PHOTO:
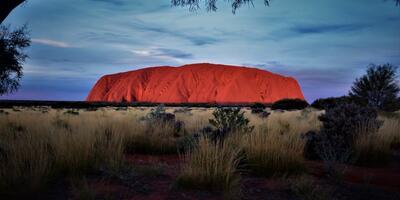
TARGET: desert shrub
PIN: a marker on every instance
(264, 114)
(378, 88)
(289, 104)
(228, 120)
(269, 153)
(210, 166)
(257, 108)
(328, 103)
(158, 115)
(335, 143)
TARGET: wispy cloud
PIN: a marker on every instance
(164, 53)
(190, 35)
(326, 28)
(52, 43)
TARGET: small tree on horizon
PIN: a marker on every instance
(378, 88)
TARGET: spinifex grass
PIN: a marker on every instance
(210, 166)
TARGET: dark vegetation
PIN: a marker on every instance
(12, 44)
(227, 121)
(331, 102)
(336, 139)
(377, 88)
(289, 104)
(93, 105)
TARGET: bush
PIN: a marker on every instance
(227, 121)
(331, 102)
(257, 108)
(160, 116)
(336, 139)
(289, 104)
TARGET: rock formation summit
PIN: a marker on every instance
(195, 83)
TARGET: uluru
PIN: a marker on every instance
(195, 83)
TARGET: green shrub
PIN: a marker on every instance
(289, 104)
(227, 121)
(335, 143)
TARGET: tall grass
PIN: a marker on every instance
(268, 153)
(40, 150)
(210, 166)
(37, 147)
(373, 147)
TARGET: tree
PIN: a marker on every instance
(377, 88)
(12, 57)
(6, 6)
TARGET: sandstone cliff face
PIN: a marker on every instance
(195, 83)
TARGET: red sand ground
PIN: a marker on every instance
(195, 83)
(359, 183)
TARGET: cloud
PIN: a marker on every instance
(164, 53)
(190, 35)
(326, 28)
(52, 43)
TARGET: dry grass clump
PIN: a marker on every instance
(154, 138)
(276, 148)
(373, 147)
(269, 153)
(210, 166)
(390, 131)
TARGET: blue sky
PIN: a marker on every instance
(324, 44)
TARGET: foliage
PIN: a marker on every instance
(229, 120)
(12, 44)
(257, 108)
(289, 104)
(377, 88)
(211, 5)
(335, 143)
(160, 116)
(328, 103)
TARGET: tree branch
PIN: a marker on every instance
(6, 6)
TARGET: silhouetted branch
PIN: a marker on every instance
(6, 6)
(211, 5)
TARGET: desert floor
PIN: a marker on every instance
(114, 153)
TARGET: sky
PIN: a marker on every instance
(324, 44)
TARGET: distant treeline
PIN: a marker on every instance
(85, 104)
